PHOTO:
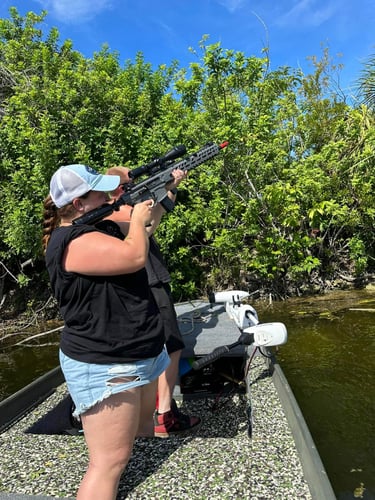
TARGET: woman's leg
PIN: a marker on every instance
(167, 381)
(109, 429)
(148, 399)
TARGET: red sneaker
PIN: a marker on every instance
(174, 422)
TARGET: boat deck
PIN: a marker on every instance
(206, 326)
(219, 461)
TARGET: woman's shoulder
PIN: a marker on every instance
(74, 230)
(64, 234)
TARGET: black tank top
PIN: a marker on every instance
(156, 267)
(107, 319)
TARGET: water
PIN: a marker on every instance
(21, 365)
(329, 361)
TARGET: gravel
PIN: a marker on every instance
(219, 461)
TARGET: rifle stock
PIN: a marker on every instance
(154, 186)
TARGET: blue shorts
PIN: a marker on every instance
(90, 383)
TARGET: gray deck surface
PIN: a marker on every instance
(205, 327)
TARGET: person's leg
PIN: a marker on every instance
(174, 344)
(167, 381)
(148, 397)
(109, 429)
(168, 419)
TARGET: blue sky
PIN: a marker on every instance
(163, 30)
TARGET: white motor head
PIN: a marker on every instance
(268, 334)
(231, 296)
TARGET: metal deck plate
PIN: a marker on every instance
(204, 327)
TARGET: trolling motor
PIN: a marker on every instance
(246, 319)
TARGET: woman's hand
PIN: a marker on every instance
(142, 212)
(178, 177)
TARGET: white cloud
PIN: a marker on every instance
(75, 11)
(307, 13)
(232, 5)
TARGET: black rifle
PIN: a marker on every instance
(154, 186)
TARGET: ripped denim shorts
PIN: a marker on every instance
(90, 383)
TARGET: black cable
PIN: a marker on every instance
(250, 360)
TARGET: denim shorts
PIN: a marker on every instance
(90, 383)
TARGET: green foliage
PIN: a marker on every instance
(358, 254)
(23, 280)
(291, 198)
(366, 83)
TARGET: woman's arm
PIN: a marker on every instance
(99, 254)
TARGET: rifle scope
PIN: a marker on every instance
(174, 153)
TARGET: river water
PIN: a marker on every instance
(329, 361)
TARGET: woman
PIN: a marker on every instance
(112, 345)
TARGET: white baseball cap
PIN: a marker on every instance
(73, 181)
